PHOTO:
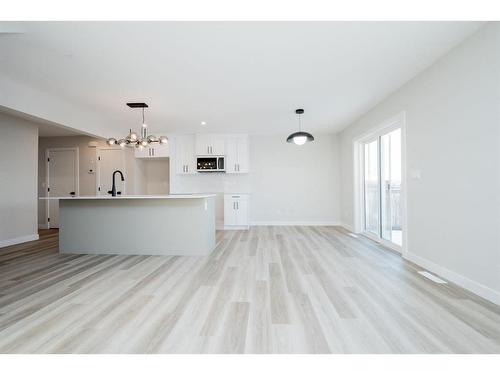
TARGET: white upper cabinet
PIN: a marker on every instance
(185, 159)
(237, 160)
(210, 144)
(156, 151)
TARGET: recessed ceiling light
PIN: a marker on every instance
(203, 123)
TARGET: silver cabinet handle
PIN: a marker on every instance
(237, 205)
(235, 167)
(187, 168)
(234, 205)
(238, 167)
(153, 151)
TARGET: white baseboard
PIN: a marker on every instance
(237, 227)
(18, 240)
(219, 224)
(43, 226)
(295, 223)
(466, 283)
(347, 227)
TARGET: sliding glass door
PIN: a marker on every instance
(382, 186)
(372, 187)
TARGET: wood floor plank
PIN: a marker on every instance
(286, 289)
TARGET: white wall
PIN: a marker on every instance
(453, 138)
(87, 159)
(288, 184)
(18, 180)
(152, 176)
(294, 184)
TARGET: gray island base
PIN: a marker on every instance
(137, 225)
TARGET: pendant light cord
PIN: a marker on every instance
(300, 123)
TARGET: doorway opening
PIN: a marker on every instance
(380, 184)
(108, 161)
(62, 180)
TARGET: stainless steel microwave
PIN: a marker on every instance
(210, 164)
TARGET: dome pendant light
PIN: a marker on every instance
(300, 137)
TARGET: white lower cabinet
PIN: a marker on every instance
(236, 211)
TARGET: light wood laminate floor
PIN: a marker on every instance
(267, 290)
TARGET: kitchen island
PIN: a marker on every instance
(137, 225)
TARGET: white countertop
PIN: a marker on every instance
(170, 196)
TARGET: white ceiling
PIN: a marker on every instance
(45, 128)
(236, 76)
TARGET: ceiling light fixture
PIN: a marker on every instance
(132, 139)
(203, 123)
(300, 137)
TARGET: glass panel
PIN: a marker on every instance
(390, 148)
(372, 194)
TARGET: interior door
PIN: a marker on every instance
(62, 180)
(108, 161)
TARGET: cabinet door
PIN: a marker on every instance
(180, 166)
(243, 159)
(242, 212)
(202, 144)
(161, 151)
(217, 143)
(229, 211)
(231, 155)
(189, 155)
(144, 153)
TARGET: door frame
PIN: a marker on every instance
(47, 180)
(98, 167)
(395, 122)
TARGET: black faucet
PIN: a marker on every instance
(113, 189)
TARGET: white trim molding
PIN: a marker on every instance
(296, 223)
(18, 240)
(348, 227)
(462, 281)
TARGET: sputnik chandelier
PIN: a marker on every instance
(132, 139)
